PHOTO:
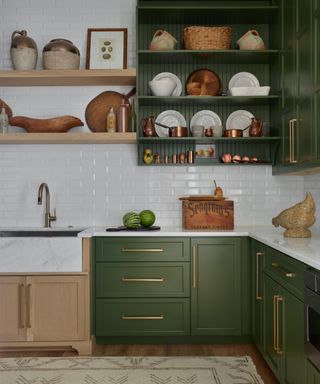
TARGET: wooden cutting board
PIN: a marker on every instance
(97, 109)
(203, 198)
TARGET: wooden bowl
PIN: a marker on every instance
(205, 80)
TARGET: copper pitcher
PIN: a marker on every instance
(255, 129)
(147, 126)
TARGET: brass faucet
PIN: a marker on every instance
(47, 217)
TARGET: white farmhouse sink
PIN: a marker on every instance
(40, 250)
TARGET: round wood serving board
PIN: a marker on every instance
(97, 109)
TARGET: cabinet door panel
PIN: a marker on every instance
(258, 254)
(313, 375)
(271, 290)
(12, 308)
(57, 308)
(216, 290)
(293, 338)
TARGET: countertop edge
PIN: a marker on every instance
(306, 251)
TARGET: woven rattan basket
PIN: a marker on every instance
(207, 37)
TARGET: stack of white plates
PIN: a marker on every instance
(246, 84)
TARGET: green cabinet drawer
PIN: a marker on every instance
(142, 279)
(142, 317)
(142, 249)
(286, 271)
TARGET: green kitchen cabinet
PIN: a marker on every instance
(241, 15)
(216, 296)
(313, 375)
(258, 254)
(283, 318)
(141, 286)
(298, 146)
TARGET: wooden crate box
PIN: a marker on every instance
(207, 214)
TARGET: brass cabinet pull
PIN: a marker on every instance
(142, 250)
(28, 305)
(142, 280)
(258, 296)
(194, 266)
(292, 159)
(278, 350)
(21, 289)
(283, 271)
(124, 317)
(275, 322)
(290, 141)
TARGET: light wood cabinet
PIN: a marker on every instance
(12, 308)
(47, 310)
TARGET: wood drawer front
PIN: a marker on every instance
(142, 317)
(142, 280)
(142, 249)
(287, 271)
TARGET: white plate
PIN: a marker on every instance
(178, 89)
(206, 118)
(171, 118)
(243, 79)
(250, 91)
(239, 120)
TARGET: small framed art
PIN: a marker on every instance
(107, 48)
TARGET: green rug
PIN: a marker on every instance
(129, 370)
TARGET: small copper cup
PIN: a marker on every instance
(208, 132)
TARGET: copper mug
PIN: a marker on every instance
(255, 129)
(208, 132)
(147, 126)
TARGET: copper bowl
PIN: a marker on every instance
(233, 133)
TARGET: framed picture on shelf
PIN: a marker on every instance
(107, 48)
(205, 151)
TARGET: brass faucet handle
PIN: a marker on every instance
(54, 216)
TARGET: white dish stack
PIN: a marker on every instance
(246, 84)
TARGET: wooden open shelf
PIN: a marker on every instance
(68, 138)
(68, 77)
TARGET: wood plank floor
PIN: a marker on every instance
(163, 350)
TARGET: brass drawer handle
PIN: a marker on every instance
(275, 336)
(258, 296)
(278, 348)
(21, 288)
(141, 250)
(124, 317)
(283, 271)
(142, 280)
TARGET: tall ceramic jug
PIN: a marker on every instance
(251, 40)
(24, 51)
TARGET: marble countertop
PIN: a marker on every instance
(304, 250)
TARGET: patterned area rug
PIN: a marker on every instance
(129, 370)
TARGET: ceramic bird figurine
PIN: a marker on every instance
(298, 218)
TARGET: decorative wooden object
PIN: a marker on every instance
(6, 107)
(56, 124)
(298, 218)
(209, 214)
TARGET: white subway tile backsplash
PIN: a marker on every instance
(97, 184)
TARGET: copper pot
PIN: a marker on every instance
(233, 133)
(177, 131)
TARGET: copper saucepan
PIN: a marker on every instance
(177, 131)
(235, 132)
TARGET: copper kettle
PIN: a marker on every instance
(147, 126)
(255, 129)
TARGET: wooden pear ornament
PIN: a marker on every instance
(218, 190)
